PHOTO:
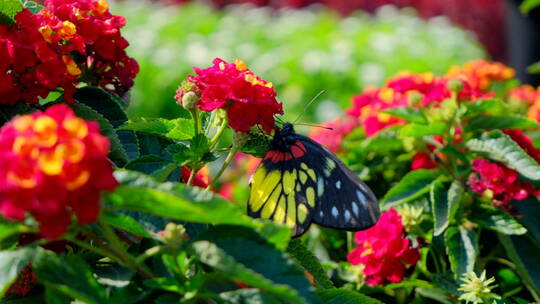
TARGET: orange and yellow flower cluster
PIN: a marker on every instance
(54, 165)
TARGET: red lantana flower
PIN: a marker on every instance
(66, 42)
(422, 160)
(384, 250)
(498, 182)
(201, 179)
(54, 164)
(248, 99)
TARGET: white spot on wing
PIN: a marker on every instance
(338, 184)
(335, 212)
(355, 209)
(321, 213)
(347, 216)
(361, 197)
(320, 187)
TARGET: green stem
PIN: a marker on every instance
(226, 163)
(196, 121)
(217, 136)
(150, 252)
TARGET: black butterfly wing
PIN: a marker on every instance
(310, 184)
(343, 200)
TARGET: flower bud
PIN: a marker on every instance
(415, 98)
(174, 235)
(411, 216)
(189, 100)
(455, 85)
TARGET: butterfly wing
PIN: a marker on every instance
(310, 184)
(343, 200)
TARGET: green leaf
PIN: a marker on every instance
(490, 106)
(176, 129)
(462, 249)
(8, 228)
(383, 141)
(528, 5)
(523, 251)
(139, 192)
(69, 275)
(248, 296)
(310, 262)
(488, 122)
(498, 146)
(154, 165)
(496, 219)
(418, 130)
(345, 296)
(213, 256)
(529, 213)
(112, 108)
(411, 186)
(444, 203)
(117, 154)
(124, 222)
(8, 10)
(534, 68)
(12, 263)
(409, 114)
(33, 6)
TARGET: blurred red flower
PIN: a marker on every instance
(384, 250)
(248, 99)
(498, 182)
(422, 160)
(333, 133)
(54, 164)
(201, 178)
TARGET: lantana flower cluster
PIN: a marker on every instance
(67, 42)
(54, 164)
(499, 183)
(247, 99)
(384, 250)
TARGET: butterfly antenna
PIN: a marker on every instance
(314, 125)
(309, 104)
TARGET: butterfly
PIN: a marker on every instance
(300, 182)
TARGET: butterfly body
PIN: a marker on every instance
(299, 182)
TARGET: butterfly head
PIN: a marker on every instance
(284, 137)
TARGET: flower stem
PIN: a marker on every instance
(196, 121)
(217, 136)
(226, 163)
(150, 252)
(191, 178)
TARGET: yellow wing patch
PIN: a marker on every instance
(274, 192)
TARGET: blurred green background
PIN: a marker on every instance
(301, 51)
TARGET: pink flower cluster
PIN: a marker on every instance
(384, 250)
(499, 183)
(66, 42)
(248, 99)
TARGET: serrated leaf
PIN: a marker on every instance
(175, 129)
(211, 255)
(8, 10)
(310, 262)
(490, 106)
(498, 146)
(12, 263)
(411, 186)
(488, 122)
(111, 107)
(496, 219)
(124, 222)
(139, 192)
(69, 275)
(462, 249)
(345, 296)
(523, 251)
(407, 113)
(418, 130)
(444, 202)
(117, 154)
